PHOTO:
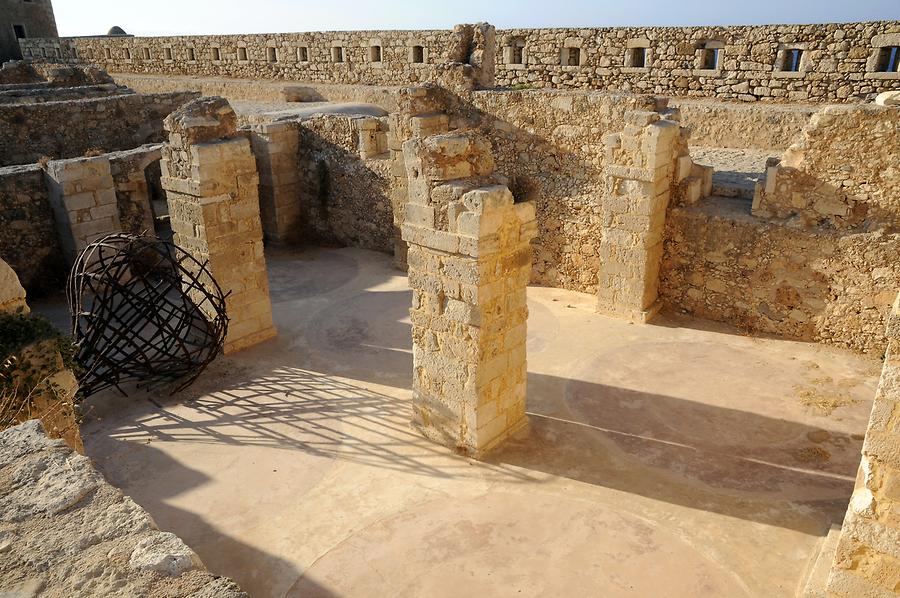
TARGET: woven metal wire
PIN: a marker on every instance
(143, 310)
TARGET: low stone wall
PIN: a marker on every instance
(841, 171)
(741, 125)
(28, 238)
(58, 94)
(68, 129)
(344, 196)
(255, 90)
(70, 533)
(723, 264)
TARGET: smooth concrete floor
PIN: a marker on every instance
(677, 459)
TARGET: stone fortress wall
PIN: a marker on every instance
(816, 63)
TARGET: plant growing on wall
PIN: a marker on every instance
(33, 353)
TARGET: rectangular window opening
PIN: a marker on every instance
(375, 53)
(19, 31)
(303, 54)
(271, 54)
(108, 53)
(242, 53)
(216, 54)
(638, 57)
(711, 59)
(418, 54)
(791, 61)
(337, 54)
(889, 59)
(146, 52)
(127, 54)
(573, 57)
(168, 53)
(192, 55)
(517, 55)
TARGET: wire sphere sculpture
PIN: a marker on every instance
(143, 310)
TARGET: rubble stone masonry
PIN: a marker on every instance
(836, 62)
(67, 129)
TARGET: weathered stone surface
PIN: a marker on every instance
(839, 61)
(65, 531)
(867, 559)
(469, 264)
(841, 171)
(12, 295)
(165, 553)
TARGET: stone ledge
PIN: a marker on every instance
(65, 531)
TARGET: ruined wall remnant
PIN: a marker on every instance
(867, 560)
(841, 171)
(469, 264)
(639, 169)
(344, 196)
(275, 147)
(714, 123)
(104, 544)
(67, 129)
(817, 284)
(84, 202)
(28, 237)
(211, 182)
(133, 194)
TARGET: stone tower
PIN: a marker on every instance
(21, 19)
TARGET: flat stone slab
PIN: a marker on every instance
(65, 531)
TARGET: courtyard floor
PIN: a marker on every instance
(677, 459)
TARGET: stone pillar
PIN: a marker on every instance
(83, 199)
(275, 146)
(419, 115)
(469, 263)
(210, 178)
(639, 171)
(867, 560)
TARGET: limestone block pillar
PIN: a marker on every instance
(83, 199)
(867, 559)
(275, 147)
(639, 172)
(469, 263)
(210, 177)
(419, 115)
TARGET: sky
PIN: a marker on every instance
(193, 17)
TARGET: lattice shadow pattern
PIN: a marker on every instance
(143, 310)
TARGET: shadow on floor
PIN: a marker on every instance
(717, 459)
(220, 553)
